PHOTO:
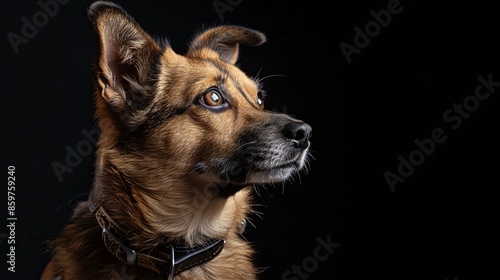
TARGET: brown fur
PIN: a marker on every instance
(185, 168)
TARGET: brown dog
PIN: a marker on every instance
(184, 138)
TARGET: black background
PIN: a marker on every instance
(364, 115)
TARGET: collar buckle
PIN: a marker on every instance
(131, 254)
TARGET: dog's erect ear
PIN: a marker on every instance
(225, 41)
(126, 61)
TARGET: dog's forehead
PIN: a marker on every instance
(230, 75)
(183, 78)
(214, 72)
(241, 81)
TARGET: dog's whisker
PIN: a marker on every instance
(270, 76)
(254, 214)
(257, 214)
(257, 205)
(310, 155)
(244, 237)
(270, 194)
(257, 76)
(257, 190)
(250, 222)
(247, 143)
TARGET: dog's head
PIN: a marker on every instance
(196, 117)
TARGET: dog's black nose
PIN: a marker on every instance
(299, 133)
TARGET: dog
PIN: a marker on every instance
(184, 141)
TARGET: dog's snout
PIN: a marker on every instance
(299, 133)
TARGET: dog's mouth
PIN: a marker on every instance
(240, 172)
(278, 172)
(241, 178)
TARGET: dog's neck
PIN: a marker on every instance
(181, 214)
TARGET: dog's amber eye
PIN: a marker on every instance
(212, 98)
(260, 102)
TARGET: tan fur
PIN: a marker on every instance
(167, 148)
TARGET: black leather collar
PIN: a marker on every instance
(166, 260)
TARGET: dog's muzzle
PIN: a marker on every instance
(270, 152)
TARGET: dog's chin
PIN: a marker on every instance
(271, 173)
(259, 176)
(244, 174)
